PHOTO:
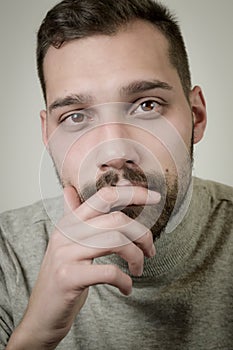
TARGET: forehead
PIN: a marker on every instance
(101, 62)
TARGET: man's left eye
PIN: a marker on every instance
(148, 106)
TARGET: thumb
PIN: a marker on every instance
(71, 199)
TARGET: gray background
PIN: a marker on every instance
(208, 31)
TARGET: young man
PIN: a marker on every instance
(120, 122)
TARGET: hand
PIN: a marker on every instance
(67, 270)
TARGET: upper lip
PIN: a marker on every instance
(124, 182)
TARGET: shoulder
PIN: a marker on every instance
(24, 235)
(215, 202)
(216, 191)
(25, 216)
(214, 218)
(15, 223)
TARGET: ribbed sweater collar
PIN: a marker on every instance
(173, 248)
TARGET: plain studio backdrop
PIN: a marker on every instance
(208, 31)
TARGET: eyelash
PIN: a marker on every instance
(150, 100)
(132, 112)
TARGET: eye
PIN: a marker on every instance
(78, 118)
(148, 106)
(75, 118)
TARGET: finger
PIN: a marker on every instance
(146, 244)
(121, 246)
(90, 275)
(107, 243)
(83, 231)
(127, 250)
(110, 198)
(71, 199)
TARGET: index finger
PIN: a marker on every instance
(111, 198)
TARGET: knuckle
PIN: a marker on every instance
(118, 218)
(108, 194)
(63, 281)
(145, 238)
(139, 257)
(111, 273)
(118, 239)
(62, 273)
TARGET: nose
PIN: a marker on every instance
(118, 163)
(118, 150)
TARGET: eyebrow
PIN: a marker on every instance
(69, 100)
(133, 88)
(144, 85)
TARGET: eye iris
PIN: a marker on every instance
(77, 118)
(148, 106)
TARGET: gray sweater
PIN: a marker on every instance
(183, 301)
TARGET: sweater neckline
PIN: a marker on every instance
(174, 247)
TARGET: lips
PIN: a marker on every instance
(124, 182)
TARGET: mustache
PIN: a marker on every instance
(150, 180)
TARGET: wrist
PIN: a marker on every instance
(22, 339)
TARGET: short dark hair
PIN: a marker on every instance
(74, 19)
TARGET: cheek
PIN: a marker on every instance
(79, 162)
(72, 162)
(182, 122)
(185, 131)
(169, 140)
(67, 151)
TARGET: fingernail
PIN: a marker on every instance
(153, 197)
(152, 251)
(139, 272)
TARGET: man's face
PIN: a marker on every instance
(117, 115)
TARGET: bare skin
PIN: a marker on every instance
(71, 271)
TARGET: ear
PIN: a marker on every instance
(43, 118)
(198, 106)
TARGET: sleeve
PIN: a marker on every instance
(6, 321)
(7, 285)
(21, 253)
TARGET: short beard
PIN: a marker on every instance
(154, 217)
(173, 192)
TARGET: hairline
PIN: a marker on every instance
(116, 31)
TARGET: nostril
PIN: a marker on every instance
(117, 164)
(104, 167)
(130, 163)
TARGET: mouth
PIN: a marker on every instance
(124, 183)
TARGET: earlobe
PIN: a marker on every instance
(198, 106)
(43, 118)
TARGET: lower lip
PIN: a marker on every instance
(122, 183)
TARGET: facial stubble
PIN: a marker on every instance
(172, 185)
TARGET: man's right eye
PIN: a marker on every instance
(75, 118)
(76, 121)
